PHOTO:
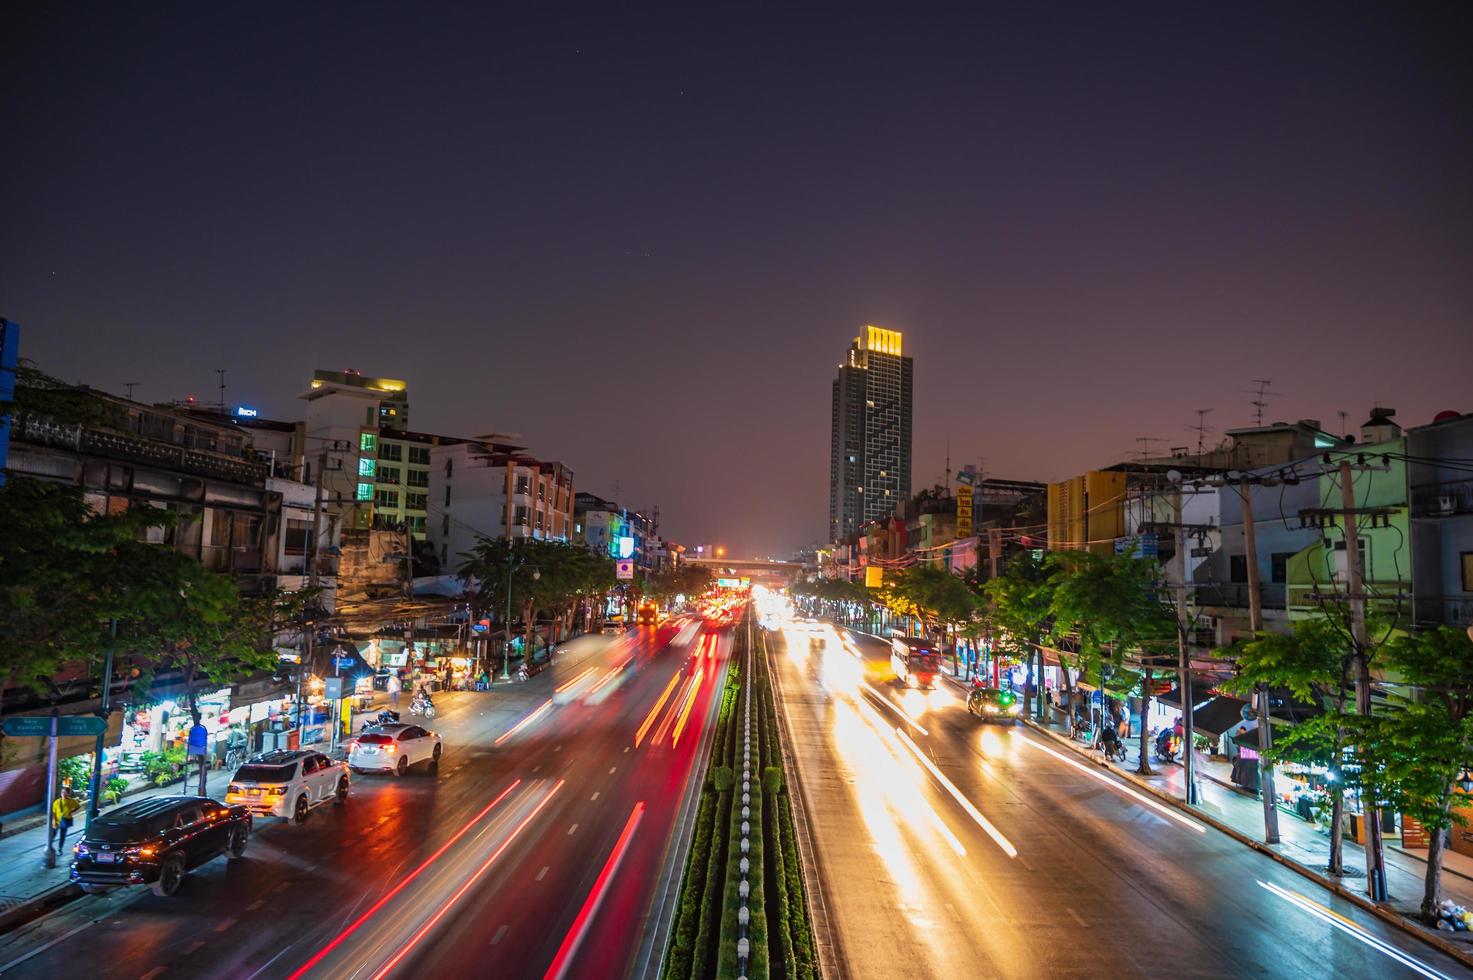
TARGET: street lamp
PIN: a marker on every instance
(511, 566)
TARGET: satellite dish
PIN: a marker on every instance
(1174, 476)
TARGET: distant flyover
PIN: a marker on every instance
(757, 569)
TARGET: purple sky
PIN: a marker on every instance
(645, 242)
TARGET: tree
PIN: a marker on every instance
(61, 565)
(1313, 663)
(1020, 607)
(549, 576)
(1422, 748)
(1111, 607)
(933, 595)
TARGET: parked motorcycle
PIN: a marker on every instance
(422, 706)
(385, 717)
(1166, 747)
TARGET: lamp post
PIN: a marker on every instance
(511, 566)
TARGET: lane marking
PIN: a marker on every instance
(613, 769)
(956, 794)
(450, 902)
(572, 830)
(195, 947)
(538, 768)
(318, 956)
(1354, 930)
(499, 933)
(225, 925)
(543, 873)
(523, 723)
(593, 797)
(1077, 917)
(649, 719)
(564, 957)
(152, 973)
(1141, 797)
(255, 905)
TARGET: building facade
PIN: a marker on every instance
(870, 448)
(487, 489)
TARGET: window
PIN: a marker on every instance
(522, 517)
(420, 455)
(1467, 560)
(367, 467)
(388, 474)
(1279, 563)
(368, 442)
(1237, 568)
(447, 496)
(444, 554)
(297, 534)
(449, 467)
(417, 478)
(445, 525)
(416, 501)
(365, 491)
(415, 524)
(391, 451)
(387, 498)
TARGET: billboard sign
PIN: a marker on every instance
(624, 569)
(964, 511)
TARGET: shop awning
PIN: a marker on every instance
(1218, 715)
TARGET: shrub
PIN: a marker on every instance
(722, 778)
(113, 789)
(772, 780)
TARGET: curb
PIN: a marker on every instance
(38, 905)
(1380, 911)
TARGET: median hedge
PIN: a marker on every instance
(705, 931)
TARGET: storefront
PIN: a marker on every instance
(165, 725)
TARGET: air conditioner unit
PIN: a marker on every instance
(1447, 504)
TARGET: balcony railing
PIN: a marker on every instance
(133, 449)
(1271, 595)
(1448, 610)
(1443, 499)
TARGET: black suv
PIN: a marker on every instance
(157, 841)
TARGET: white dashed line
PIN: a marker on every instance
(613, 769)
(194, 947)
(593, 797)
(543, 873)
(1077, 917)
(499, 933)
(152, 973)
(255, 905)
(538, 768)
(626, 748)
(225, 925)
(572, 830)
(558, 749)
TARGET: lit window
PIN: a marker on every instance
(367, 467)
(365, 491)
(368, 442)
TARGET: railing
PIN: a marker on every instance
(1271, 595)
(1443, 499)
(1450, 610)
(133, 449)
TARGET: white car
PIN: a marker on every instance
(394, 748)
(288, 784)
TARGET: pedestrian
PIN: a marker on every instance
(62, 810)
(393, 688)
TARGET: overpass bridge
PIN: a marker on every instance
(761, 570)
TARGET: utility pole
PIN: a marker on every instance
(311, 586)
(1183, 662)
(506, 640)
(105, 710)
(1375, 857)
(1255, 623)
(221, 373)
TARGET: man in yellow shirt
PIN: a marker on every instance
(62, 810)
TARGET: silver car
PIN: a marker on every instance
(395, 748)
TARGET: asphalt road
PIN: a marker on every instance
(1037, 865)
(549, 843)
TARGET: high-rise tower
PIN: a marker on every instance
(869, 459)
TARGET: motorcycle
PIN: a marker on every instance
(422, 706)
(1166, 747)
(385, 717)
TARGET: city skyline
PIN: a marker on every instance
(1083, 250)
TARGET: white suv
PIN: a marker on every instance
(288, 784)
(394, 748)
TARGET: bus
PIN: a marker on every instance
(647, 615)
(916, 662)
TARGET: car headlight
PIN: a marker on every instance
(991, 709)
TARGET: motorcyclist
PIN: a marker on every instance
(1109, 740)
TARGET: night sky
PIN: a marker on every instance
(644, 242)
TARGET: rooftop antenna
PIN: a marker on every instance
(221, 373)
(130, 385)
(1260, 400)
(948, 466)
(1343, 416)
(1144, 453)
(1201, 428)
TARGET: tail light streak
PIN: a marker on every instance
(695, 687)
(559, 967)
(357, 923)
(524, 722)
(956, 794)
(608, 677)
(649, 719)
(450, 903)
(575, 680)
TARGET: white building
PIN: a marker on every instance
(486, 489)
